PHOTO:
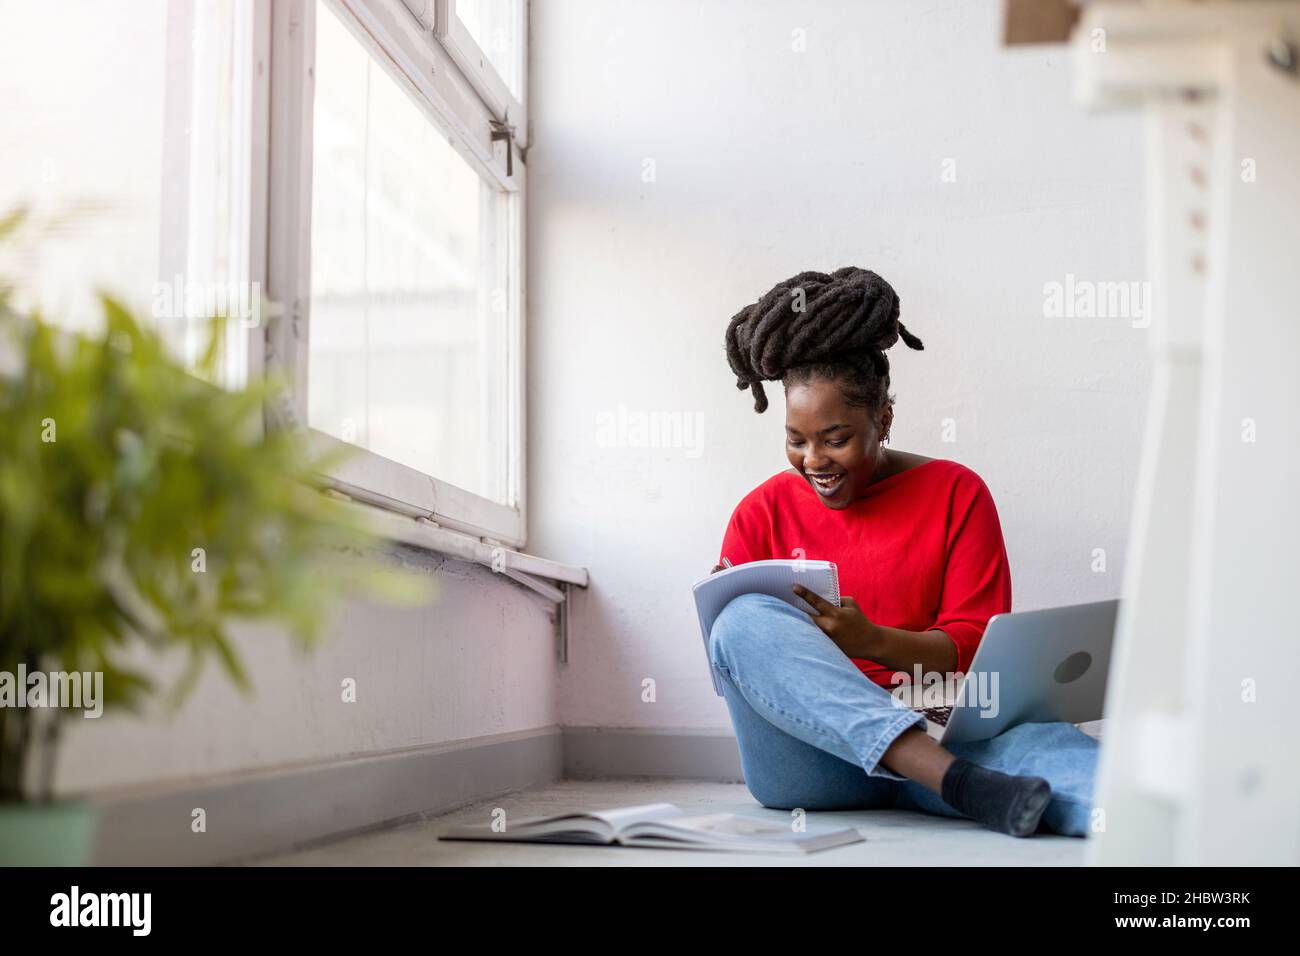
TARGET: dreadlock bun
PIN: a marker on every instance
(834, 325)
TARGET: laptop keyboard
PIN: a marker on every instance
(939, 715)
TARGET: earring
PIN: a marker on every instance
(885, 440)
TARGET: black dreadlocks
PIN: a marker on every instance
(815, 325)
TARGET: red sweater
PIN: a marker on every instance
(922, 549)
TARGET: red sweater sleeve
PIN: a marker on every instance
(977, 577)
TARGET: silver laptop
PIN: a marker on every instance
(1031, 667)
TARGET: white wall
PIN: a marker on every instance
(479, 660)
(768, 161)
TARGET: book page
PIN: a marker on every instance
(728, 825)
(620, 817)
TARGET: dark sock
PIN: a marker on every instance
(1000, 801)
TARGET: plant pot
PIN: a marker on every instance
(58, 833)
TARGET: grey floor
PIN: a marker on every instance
(893, 837)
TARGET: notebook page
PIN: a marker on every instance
(776, 577)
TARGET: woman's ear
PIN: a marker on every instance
(886, 420)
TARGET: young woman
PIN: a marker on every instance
(922, 568)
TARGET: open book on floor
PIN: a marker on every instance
(662, 825)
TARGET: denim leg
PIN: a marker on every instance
(1059, 752)
(793, 676)
(784, 772)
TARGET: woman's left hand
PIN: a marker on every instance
(845, 625)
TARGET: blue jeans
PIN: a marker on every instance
(812, 728)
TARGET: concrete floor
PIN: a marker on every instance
(893, 837)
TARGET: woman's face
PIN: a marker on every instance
(827, 439)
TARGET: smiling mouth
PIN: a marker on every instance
(827, 485)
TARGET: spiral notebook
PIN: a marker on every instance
(776, 577)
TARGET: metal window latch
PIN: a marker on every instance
(506, 131)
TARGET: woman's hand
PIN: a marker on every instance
(845, 625)
(717, 568)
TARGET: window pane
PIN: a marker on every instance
(125, 134)
(407, 356)
(494, 25)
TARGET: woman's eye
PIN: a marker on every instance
(796, 443)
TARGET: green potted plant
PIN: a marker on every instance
(138, 502)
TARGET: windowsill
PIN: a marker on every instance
(424, 534)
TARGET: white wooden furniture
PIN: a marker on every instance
(1199, 760)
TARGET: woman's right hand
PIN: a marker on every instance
(717, 568)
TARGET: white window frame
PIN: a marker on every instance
(478, 69)
(405, 45)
